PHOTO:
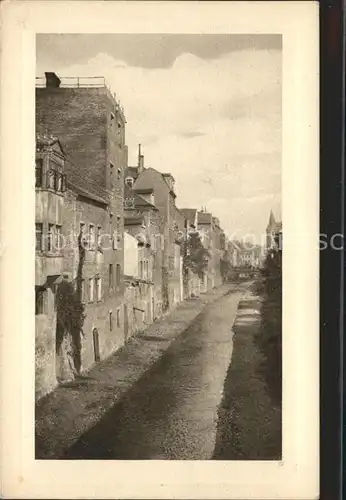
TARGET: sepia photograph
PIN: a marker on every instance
(158, 281)
(159, 250)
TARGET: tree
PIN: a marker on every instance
(225, 266)
(70, 311)
(196, 256)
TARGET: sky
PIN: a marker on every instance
(206, 108)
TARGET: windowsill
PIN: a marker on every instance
(47, 254)
(54, 254)
(50, 190)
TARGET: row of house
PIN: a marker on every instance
(110, 239)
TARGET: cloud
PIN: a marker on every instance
(148, 50)
(191, 135)
(215, 124)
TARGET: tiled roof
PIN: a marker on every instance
(189, 214)
(86, 193)
(131, 172)
(133, 221)
(204, 218)
(142, 203)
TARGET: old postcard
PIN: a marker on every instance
(166, 334)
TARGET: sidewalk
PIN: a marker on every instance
(73, 408)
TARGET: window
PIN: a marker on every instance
(118, 229)
(91, 236)
(58, 242)
(40, 294)
(98, 288)
(111, 276)
(82, 234)
(129, 182)
(129, 202)
(39, 236)
(51, 179)
(98, 236)
(141, 269)
(118, 318)
(118, 277)
(110, 321)
(50, 242)
(119, 174)
(82, 290)
(91, 290)
(58, 182)
(111, 169)
(38, 172)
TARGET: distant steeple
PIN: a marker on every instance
(271, 218)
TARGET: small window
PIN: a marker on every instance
(91, 290)
(51, 179)
(98, 236)
(39, 173)
(119, 174)
(141, 269)
(129, 182)
(129, 202)
(111, 169)
(82, 290)
(91, 238)
(118, 318)
(110, 321)
(118, 277)
(58, 238)
(50, 242)
(82, 234)
(111, 276)
(59, 182)
(40, 295)
(112, 116)
(98, 289)
(39, 236)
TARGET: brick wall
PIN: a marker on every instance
(78, 117)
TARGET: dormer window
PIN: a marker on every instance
(129, 182)
(129, 202)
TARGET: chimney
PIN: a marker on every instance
(52, 80)
(140, 160)
(126, 154)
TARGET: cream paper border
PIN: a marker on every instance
(297, 475)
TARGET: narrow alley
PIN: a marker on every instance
(171, 413)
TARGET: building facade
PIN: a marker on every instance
(81, 201)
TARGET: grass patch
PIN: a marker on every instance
(249, 424)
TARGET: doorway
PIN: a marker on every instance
(96, 341)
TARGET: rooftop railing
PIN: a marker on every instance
(75, 81)
(81, 82)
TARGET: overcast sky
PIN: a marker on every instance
(206, 108)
